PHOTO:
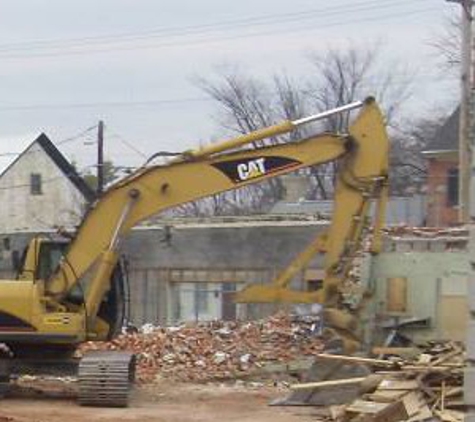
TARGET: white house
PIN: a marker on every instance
(41, 190)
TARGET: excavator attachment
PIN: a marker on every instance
(361, 177)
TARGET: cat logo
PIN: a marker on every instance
(251, 169)
(246, 170)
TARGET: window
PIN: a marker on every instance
(452, 187)
(201, 298)
(35, 184)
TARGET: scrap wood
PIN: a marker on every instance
(323, 384)
(453, 392)
(366, 411)
(450, 415)
(386, 396)
(357, 360)
(398, 384)
(429, 386)
(415, 403)
(337, 412)
(402, 352)
(426, 369)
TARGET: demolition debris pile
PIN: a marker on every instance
(424, 386)
(426, 232)
(215, 350)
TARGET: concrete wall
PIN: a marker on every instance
(409, 210)
(434, 273)
(177, 268)
(189, 270)
(59, 204)
(189, 261)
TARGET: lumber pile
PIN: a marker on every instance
(427, 386)
(426, 232)
(216, 350)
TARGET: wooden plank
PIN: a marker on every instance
(387, 396)
(445, 368)
(413, 402)
(363, 406)
(423, 414)
(389, 384)
(323, 384)
(450, 415)
(404, 352)
(367, 411)
(357, 360)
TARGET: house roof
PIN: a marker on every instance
(446, 138)
(61, 162)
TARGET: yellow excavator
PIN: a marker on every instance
(67, 293)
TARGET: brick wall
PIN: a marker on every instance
(441, 211)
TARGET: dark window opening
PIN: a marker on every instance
(35, 184)
(314, 285)
(452, 187)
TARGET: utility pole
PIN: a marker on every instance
(466, 123)
(100, 158)
(466, 114)
(467, 197)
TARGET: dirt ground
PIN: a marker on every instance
(162, 402)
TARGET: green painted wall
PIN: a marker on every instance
(431, 277)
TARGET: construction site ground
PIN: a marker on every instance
(163, 401)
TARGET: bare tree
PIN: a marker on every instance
(344, 76)
(408, 166)
(447, 44)
(340, 77)
(248, 104)
(245, 101)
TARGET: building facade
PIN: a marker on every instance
(41, 190)
(443, 175)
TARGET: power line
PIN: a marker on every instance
(71, 52)
(69, 139)
(205, 28)
(127, 144)
(159, 103)
(116, 104)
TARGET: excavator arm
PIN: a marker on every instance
(196, 174)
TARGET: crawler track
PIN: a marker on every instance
(105, 378)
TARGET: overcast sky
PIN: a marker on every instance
(65, 64)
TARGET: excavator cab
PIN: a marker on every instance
(42, 257)
(39, 258)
